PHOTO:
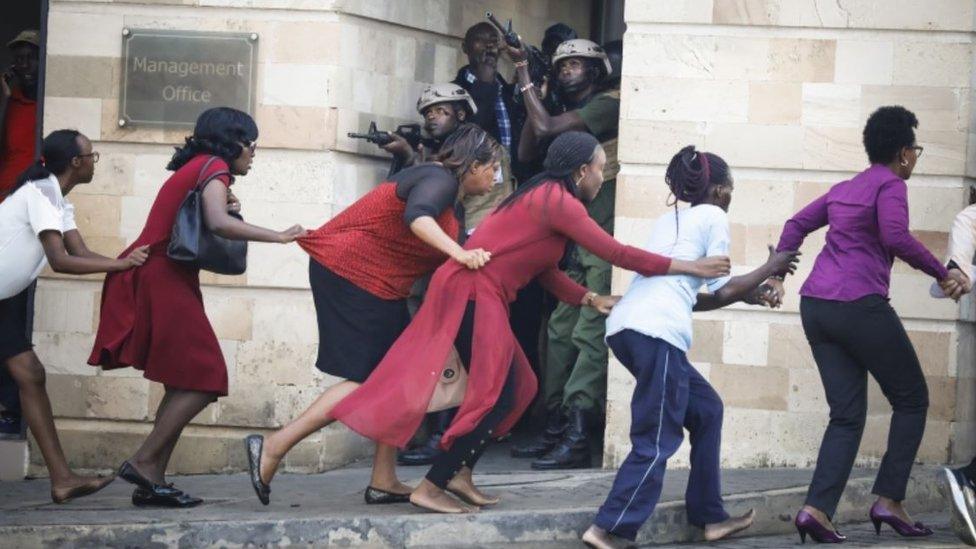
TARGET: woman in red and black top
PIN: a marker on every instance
(364, 262)
(152, 317)
(527, 235)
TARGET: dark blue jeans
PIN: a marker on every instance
(670, 396)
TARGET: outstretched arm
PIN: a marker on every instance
(806, 221)
(739, 288)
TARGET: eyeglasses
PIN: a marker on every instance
(918, 150)
(251, 145)
(93, 155)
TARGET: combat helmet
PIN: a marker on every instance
(580, 47)
(444, 93)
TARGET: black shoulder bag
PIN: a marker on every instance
(191, 242)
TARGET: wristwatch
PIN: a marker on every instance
(589, 298)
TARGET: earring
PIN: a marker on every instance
(904, 163)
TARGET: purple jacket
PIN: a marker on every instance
(868, 228)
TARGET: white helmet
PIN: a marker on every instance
(580, 47)
(444, 93)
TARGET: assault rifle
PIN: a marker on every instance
(539, 66)
(410, 132)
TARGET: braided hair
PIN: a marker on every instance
(690, 175)
(565, 155)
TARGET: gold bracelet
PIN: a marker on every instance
(527, 87)
(524, 63)
(589, 298)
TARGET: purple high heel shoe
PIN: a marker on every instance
(806, 524)
(881, 514)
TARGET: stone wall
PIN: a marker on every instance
(781, 90)
(325, 67)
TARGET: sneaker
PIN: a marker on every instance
(962, 500)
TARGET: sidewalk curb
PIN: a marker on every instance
(774, 510)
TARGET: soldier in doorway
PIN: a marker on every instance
(576, 362)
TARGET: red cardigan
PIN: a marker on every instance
(526, 241)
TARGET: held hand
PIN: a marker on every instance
(291, 233)
(955, 285)
(515, 54)
(233, 203)
(5, 88)
(772, 292)
(604, 303)
(783, 262)
(711, 267)
(136, 257)
(398, 147)
(473, 259)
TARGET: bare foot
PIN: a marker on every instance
(78, 486)
(462, 486)
(729, 526)
(598, 538)
(427, 496)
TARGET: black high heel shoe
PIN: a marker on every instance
(253, 444)
(148, 493)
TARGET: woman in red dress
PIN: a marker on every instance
(152, 317)
(364, 262)
(526, 236)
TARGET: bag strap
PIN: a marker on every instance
(203, 179)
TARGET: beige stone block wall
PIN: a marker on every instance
(324, 68)
(781, 89)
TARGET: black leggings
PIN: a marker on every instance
(849, 340)
(467, 449)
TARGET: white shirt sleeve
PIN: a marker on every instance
(718, 243)
(68, 217)
(962, 245)
(43, 215)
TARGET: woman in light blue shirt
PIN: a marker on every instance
(650, 330)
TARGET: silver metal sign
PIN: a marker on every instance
(170, 77)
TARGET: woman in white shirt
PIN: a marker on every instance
(37, 228)
(650, 330)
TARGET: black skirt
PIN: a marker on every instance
(15, 336)
(356, 328)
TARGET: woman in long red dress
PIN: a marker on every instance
(152, 317)
(364, 262)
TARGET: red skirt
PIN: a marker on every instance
(152, 318)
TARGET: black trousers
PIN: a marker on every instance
(850, 340)
(467, 449)
(9, 392)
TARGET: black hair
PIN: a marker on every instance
(691, 172)
(565, 155)
(483, 26)
(219, 131)
(557, 34)
(57, 151)
(465, 146)
(887, 132)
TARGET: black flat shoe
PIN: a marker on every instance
(164, 496)
(375, 496)
(253, 445)
(129, 474)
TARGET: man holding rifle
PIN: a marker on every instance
(576, 362)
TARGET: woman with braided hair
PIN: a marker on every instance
(526, 235)
(650, 331)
